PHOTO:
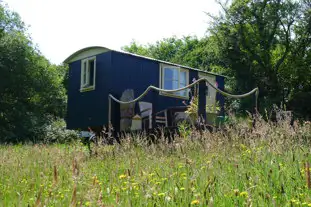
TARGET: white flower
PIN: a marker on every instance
(168, 198)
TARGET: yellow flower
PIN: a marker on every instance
(243, 147)
(309, 204)
(161, 194)
(195, 202)
(122, 176)
(244, 194)
(182, 189)
(87, 203)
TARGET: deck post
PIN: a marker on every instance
(202, 101)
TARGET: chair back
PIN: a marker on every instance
(145, 109)
(126, 110)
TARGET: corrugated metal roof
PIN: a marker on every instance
(68, 60)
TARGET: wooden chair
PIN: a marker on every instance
(146, 115)
(126, 110)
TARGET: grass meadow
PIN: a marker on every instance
(238, 166)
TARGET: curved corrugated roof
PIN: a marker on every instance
(104, 49)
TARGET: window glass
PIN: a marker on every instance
(175, 84)
(168, 73)
(183, 83)
(168, 84)
(91, 72)
(84, 73)
(88, 70)
(175, 78)
(183, 78)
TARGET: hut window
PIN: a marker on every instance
(174, 78)
(88, 73)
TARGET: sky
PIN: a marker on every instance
(61, 27)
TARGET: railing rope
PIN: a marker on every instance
(255, 90)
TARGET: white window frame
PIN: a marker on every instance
(86, 72)
(162, 80)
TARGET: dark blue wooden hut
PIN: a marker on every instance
(95, 72)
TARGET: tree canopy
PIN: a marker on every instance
(257, 43)
(32, 91)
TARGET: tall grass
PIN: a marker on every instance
(237, 166)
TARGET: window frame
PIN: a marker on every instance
(162, 81)
(86, 72)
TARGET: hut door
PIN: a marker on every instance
(211, 92)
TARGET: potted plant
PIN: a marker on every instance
(212, 111)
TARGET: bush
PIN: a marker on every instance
(57, 132)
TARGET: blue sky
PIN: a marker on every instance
(60, 27)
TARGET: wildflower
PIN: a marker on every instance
(236, 192)
(122, 176)
(195, 202)
(309, 204)
(161, 194)
(243, 147)
(183, 175)
(168, 198)
(88, 203)
(182, 189)
(244, 194)
(151, 174)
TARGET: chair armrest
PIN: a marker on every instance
(144, 111)
(163, 111)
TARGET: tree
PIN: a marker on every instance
(189, 51)
(31, 89)
(256, 38)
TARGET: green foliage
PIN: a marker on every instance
(31, 88)
(56, 132)
(188, 50)
(265, 43)
(256, 43)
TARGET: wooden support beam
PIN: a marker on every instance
(202, 100)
